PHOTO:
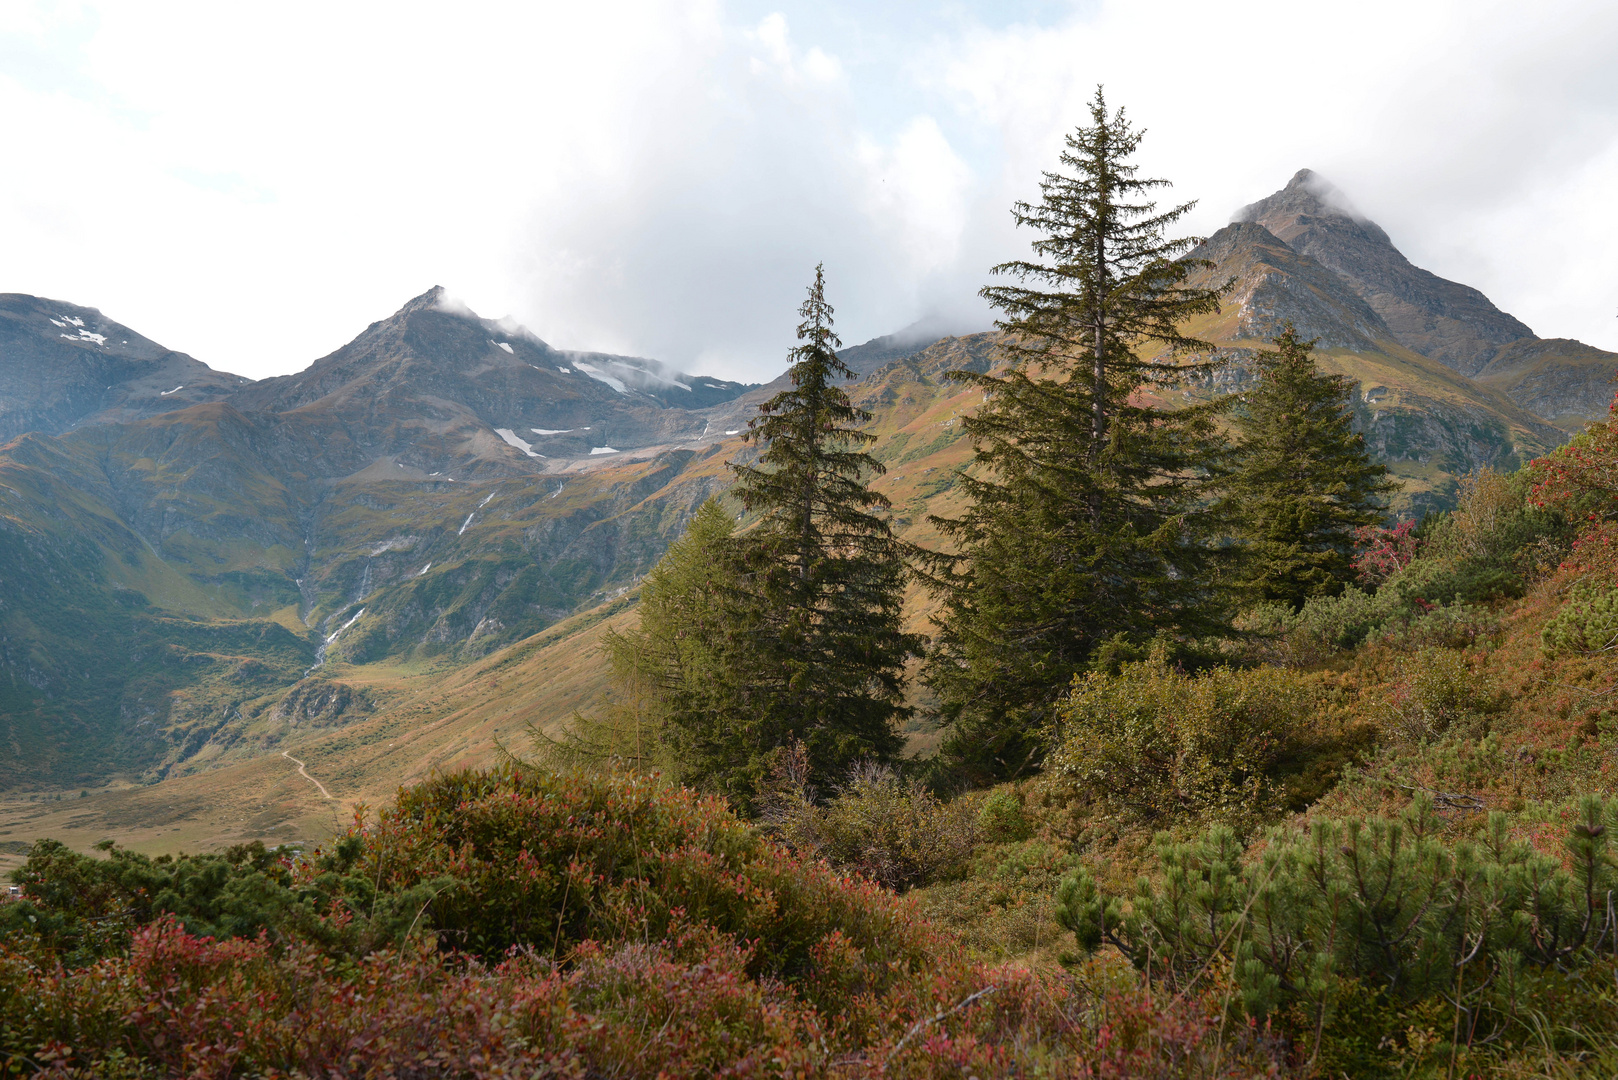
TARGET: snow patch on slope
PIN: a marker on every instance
(601, 376)
(513, 439)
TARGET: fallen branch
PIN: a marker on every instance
(1447, 800)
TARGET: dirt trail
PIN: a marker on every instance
(303, 772)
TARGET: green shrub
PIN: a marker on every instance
(891, 830)
(1330, 623)
(1587, 623)
(1154, 740)
(1480, 932)
(80, 909)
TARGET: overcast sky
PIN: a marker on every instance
(253, 184)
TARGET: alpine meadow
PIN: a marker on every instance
(1210, 670)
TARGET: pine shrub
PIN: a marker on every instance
(1483, 932)
(1586, 624)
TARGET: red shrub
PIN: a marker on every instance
(1380, 553)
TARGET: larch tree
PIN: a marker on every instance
(1088, 521)
(676, 690)
(1304, 480)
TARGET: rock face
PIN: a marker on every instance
(1449, 322)
(63, 366)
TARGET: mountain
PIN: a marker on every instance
(1451, 323)
(1561, 381)
(438, 488)
(63, 366)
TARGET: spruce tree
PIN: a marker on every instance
(1087, 517)
(824, 573)
(1304, 480)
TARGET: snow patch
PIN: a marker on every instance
(485, 501)
(563, 370)
(57, 322)
(176, 390)
(467, 522)
(424, 569)
(512, 438)
(506, 347)
(71, 320)
(99, 339)
(594, 450)
(738, 431)
(601, 376)
(549, 431)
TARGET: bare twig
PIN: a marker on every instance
(919, 1025)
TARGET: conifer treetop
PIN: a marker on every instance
(813, 472)
(1105, 262)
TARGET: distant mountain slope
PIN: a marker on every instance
(435, 391)
(1564, 381)
(63, 366)
(1429, 423)
(1561, 381)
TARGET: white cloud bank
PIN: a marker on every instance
(254, 185)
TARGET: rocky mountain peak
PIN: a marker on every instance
(63, 366)
(427, 301)
(1274, 285)
(1447, 321)
(1309, 198)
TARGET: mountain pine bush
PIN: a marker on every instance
(1587, 623)
(1489, 931)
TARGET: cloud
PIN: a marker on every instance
(255, 185)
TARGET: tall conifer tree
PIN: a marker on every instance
(1086, 520)
(825, 575)
(1304, 481)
